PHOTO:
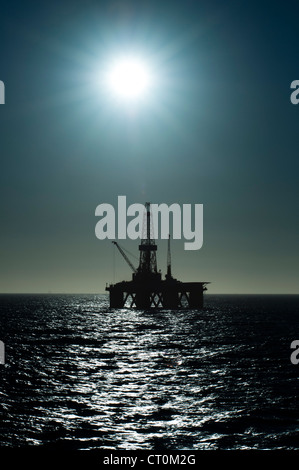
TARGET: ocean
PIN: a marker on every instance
(78, 375)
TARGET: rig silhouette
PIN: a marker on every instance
(147, 288)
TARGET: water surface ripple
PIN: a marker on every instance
(81, 376)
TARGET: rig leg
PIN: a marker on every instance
(143, 299)
(170, 299)
(196, 299)
(116, 298)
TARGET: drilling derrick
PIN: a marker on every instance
(147, 289)
(147, 261)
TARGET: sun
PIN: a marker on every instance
(129, 78)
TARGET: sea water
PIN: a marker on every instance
(78, 375)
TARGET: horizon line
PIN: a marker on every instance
(104, 293)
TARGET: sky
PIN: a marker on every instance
(218, 129)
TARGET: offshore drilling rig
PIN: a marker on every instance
(147, 289)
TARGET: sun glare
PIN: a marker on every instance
(129, 79)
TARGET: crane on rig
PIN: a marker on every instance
(125, 256)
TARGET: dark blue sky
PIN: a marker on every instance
(220, 130)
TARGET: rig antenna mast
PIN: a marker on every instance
(168, 275)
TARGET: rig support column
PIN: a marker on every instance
(170, 298)
(196, 298)
(116, 298)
